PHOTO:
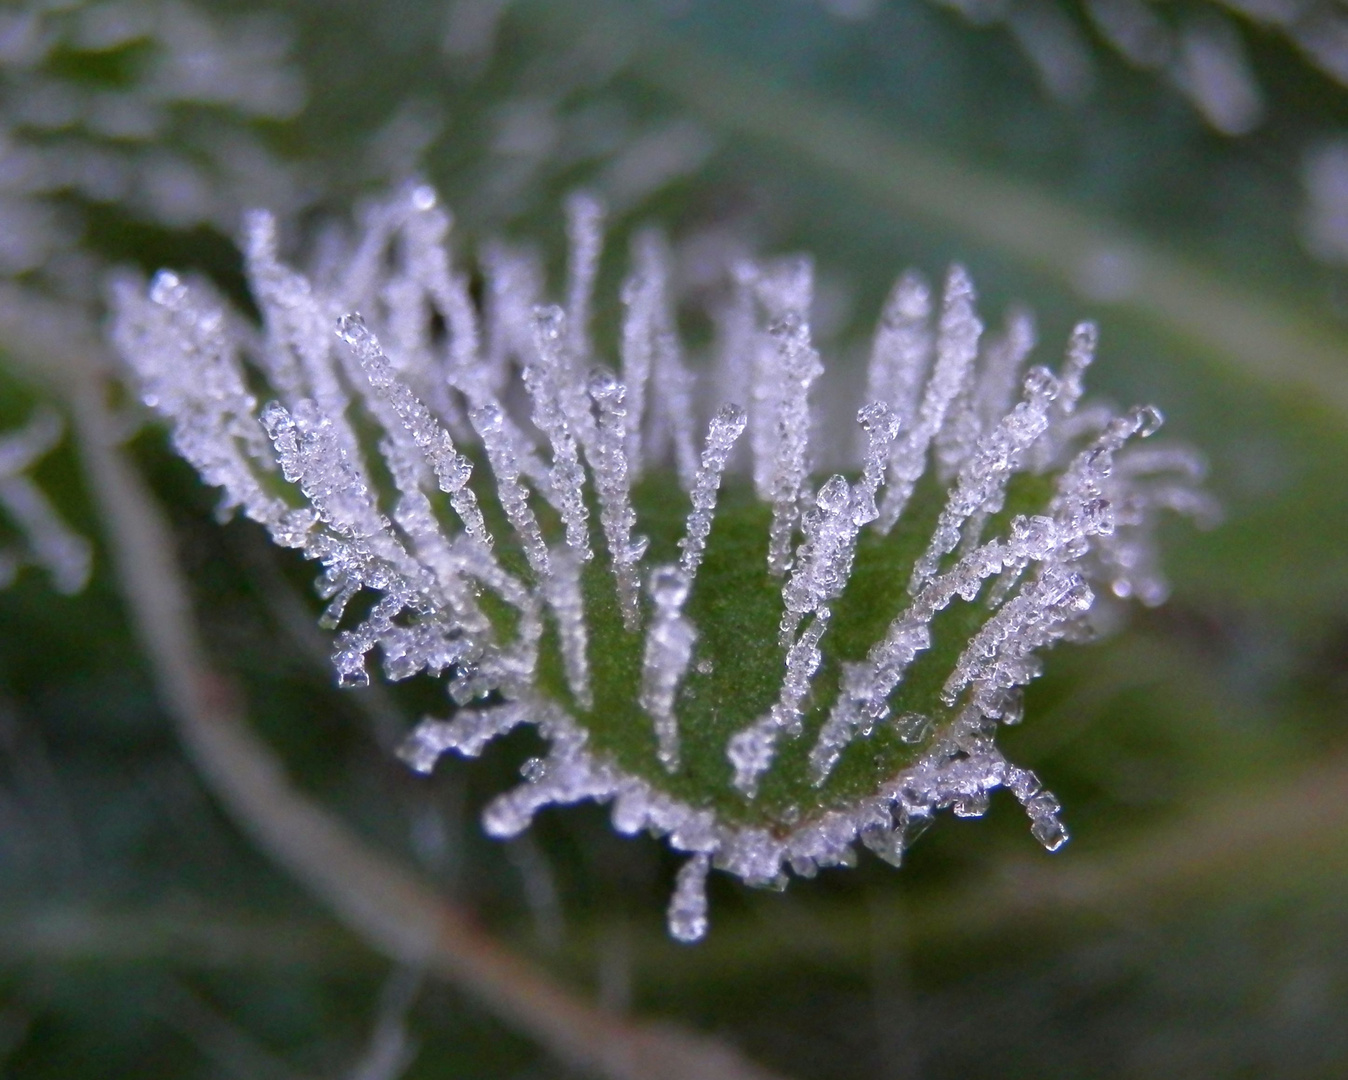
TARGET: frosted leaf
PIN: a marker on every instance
(311, 455)
(1010, 709)
(561, 349)
(429, 267)
(887, 843)
(1065, 423)
(568, 774)
(1042, 808)
(509, 667)
(674, 405)
(444, 601)
(785, 287)
(297, 326)
(423, 286)
(802, 661)
(957, 435)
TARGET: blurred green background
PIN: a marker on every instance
(1196, 925)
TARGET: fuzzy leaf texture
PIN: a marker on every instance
(763, 665)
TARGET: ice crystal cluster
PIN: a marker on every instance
(629, 548)
(140, 103)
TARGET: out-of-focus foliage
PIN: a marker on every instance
(1195, 924)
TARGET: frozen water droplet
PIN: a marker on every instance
(1040, 382)
(688, 905)
(916, 824)
(912, 727)
(669, 586)
(972, 806)
(351, 328)
(1151, 419)
(489, 418)
(604, 384)
(549, 321)
(878, 417)
(167, 290)
(1050, 832)
(833, 495)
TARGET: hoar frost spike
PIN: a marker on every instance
(766, 668)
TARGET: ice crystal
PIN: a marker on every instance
(789, 664)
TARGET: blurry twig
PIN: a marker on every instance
(233, 1051)
(369, 891)
(50, 934)
(392, 1049)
